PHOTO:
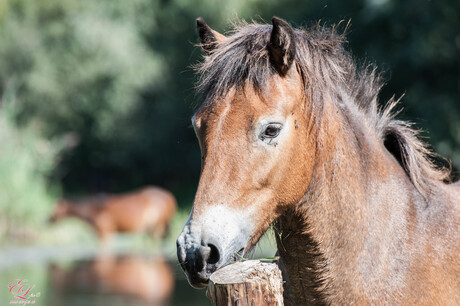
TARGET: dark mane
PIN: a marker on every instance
(328, 70)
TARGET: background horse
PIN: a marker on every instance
(149, 209)
(291, 134)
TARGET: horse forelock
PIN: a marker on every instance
(328, 70)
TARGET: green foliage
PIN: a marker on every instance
(75, 63)
(79, 67)
(26, 160)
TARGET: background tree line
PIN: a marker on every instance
(97, 95)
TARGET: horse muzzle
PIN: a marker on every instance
(210, 242)
(198, 261)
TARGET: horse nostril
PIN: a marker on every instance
(214, 256)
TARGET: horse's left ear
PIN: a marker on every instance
(282, 45)
(208, 37)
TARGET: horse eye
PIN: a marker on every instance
(271, 131)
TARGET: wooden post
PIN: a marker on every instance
(248, 282)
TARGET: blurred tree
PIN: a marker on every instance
(78, 68)
(26, 160)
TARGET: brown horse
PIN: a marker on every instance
(149, 209)
(291, 135)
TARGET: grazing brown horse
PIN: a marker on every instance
(291, 135)
(149, 209)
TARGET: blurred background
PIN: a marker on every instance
(96, 97)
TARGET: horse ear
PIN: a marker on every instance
(208, 37)
(282, 45)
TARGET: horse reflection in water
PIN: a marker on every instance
(149, 280)
(149, 209)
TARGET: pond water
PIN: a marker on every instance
(39, 276)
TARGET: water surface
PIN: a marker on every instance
(57, 276)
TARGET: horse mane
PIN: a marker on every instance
(328, 70)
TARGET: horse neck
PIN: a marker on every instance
(86, 212)
(324, 239)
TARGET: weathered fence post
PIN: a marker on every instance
(249, 282)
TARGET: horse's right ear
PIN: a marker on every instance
(208, 37)
(282, 45)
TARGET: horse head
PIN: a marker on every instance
(252, 136)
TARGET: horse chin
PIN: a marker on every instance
(198, 283)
